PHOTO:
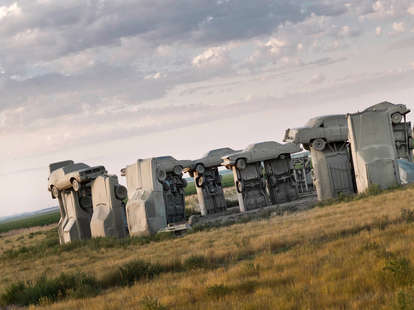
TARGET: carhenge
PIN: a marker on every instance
(155, 194)
(400, 126)
(70, 183)
(249, 178)
(326, 138)
(208, 181)
(374, 151)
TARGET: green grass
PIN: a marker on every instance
(33, 221)
(226, 181)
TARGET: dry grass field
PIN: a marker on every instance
(354, 255)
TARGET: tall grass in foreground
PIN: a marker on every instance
(397, 270)
(351, 255)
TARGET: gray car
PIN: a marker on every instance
(318, 131)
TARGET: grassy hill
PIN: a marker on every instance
(349, 255)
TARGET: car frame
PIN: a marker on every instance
(211, 159)
(319, 131)
(67, 174)
(259, 152)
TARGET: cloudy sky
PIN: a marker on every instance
(110, 81)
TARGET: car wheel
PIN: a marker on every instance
(396, 118)
(76, 185)
(200, 168)
(121, 192)
(318, 144)
(55, 192)
(178, 170)
(241, 163)
(161, 175)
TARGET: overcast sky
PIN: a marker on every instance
(110, 81)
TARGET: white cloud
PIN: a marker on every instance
(275, 45)
(212, 57)
(398, 27)
(12, 10)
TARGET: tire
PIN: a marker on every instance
(55, 192)
(318, 144)
(241, 164)
(200, 168)
(199, 181)
(161, 175)
(178, 170)
(396, 118)
(239, 187)
(75, 185)
(121, 192)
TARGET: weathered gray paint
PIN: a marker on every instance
(156, 194)
(280, 179)
(251, 187)
(331, 160)
(249, 178)
(78, 213)
(108, 208)
(401, 128)
(208, 181)
(373, 149)
(332, 168)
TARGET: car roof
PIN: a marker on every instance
(318, 121)
(388, 106)
(75, 167)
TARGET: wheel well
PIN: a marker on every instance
(311, 141)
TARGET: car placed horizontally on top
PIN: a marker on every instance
(259, 152)
(396, 111)
(212, 159)
(68, 174)
(319, 131)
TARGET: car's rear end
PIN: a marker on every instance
(91, 173)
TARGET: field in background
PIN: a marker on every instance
(353, 255)
(32, 221)
(53, 217)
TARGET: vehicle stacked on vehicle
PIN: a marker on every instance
(348, 153)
